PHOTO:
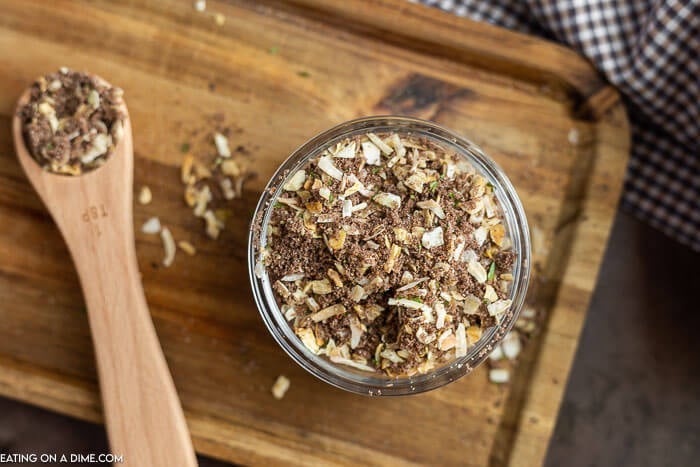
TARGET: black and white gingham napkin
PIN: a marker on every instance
(650, 50)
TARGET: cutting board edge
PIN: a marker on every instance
(529, 446)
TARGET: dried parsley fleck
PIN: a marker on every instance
(433, 185)
(184, 147)
(492, 272)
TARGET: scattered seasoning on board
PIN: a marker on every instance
(200, 5)
(281, 386)
(72, 122)
(210, 185)
(213, 175)
(388, 253)
(168, 246)
(145, 195)
(187, 247)
(152, 226)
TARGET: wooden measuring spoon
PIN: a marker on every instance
(93, 211)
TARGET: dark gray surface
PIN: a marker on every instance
(633, 398)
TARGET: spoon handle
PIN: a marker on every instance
(143, 415)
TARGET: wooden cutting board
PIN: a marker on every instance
(277, 73)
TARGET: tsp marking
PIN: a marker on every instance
(92, 215)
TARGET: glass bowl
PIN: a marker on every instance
(378, 384)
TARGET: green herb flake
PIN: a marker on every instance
(184, 147)
(416, 299)
(273, 50)
(451, 194)
(278, 205)
(304, 74)
(433, 185)
(492, 272)
(376, 170)
(330, 198)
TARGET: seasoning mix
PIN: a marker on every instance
(72, 122)
(388, 253)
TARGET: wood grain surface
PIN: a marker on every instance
(517, 97)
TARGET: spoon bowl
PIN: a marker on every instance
(144, 418)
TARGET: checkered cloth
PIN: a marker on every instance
(650, 50)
